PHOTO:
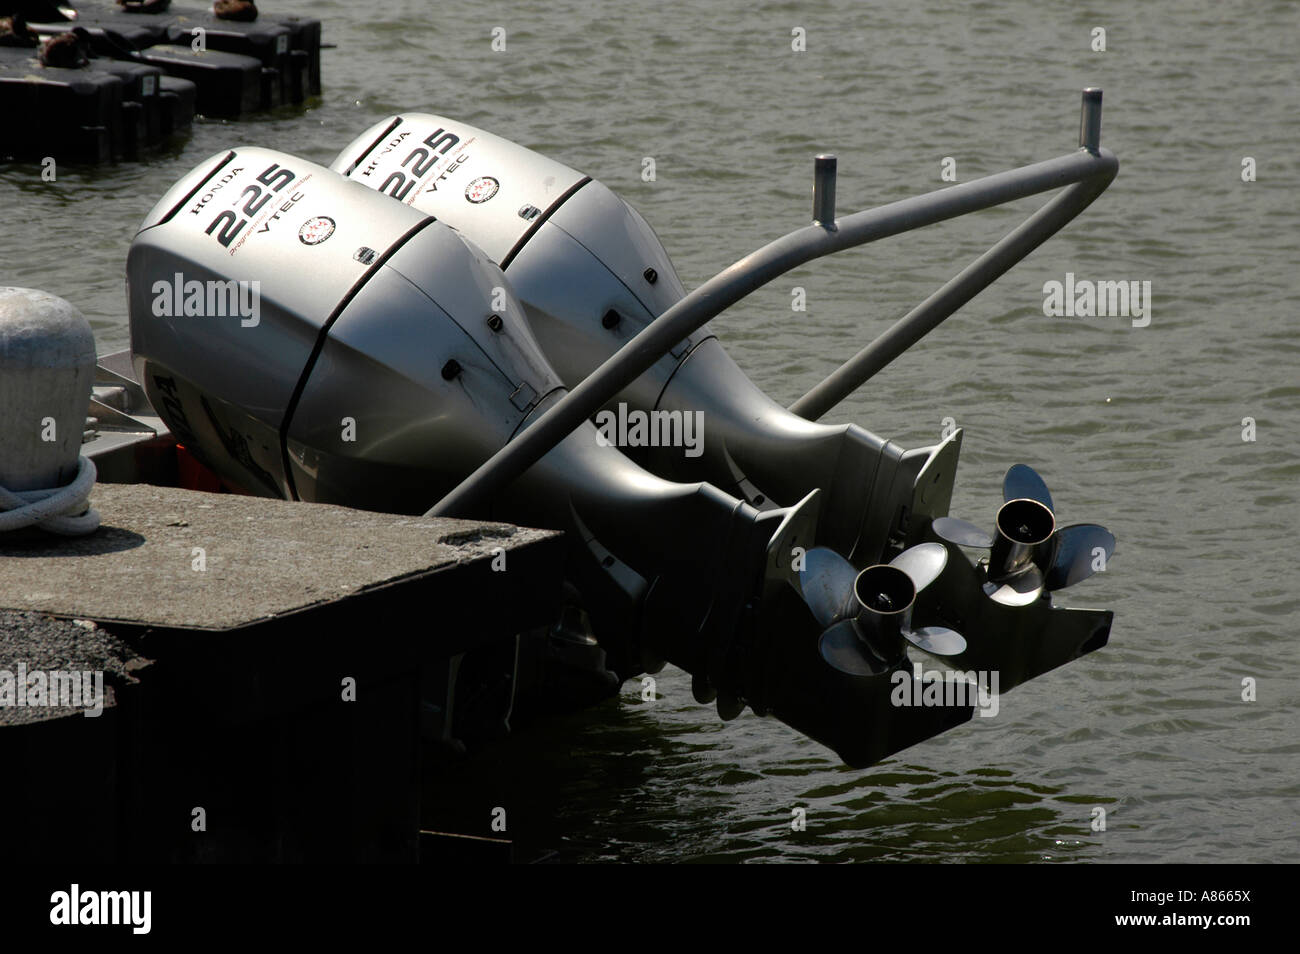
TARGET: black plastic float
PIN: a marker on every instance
(139, 87)
(146, 80)
(180, 103)
(288, 45)
(229, 85)
(109, 108)
(65, 113)
(261, 40)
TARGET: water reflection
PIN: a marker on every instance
(633, 781)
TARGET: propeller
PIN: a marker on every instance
(866, 616)
(1027, 553)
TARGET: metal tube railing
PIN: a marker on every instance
(926, 316)
(973, 279)
(1090, 164)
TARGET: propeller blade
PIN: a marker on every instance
(937, 640)
(961, 532)
(844, 650)
(827, 584)
(1020, 590)
(1022, 482)
(1076, 553)
(923, 563)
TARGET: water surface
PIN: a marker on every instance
(1136, 428)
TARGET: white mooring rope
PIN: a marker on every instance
(62, 510)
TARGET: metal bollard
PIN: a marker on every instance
(47, 368)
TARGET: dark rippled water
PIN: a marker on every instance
(1137, 428)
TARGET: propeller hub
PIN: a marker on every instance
(1026, 522)
(1023, 547)
(870, 634)
(884, 590)
(1029, 554)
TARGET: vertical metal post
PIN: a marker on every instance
(824, 191)
(1090, 120)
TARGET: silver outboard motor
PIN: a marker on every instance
(307, 338)
(591, 274)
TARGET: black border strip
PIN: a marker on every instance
(537, 223)
(189, 195)
(301, 386)
(397, 121)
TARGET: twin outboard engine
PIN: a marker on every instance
(306, 337)
(591, 274)
(371, 335)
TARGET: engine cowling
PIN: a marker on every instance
(307, 337)
(591, 274)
